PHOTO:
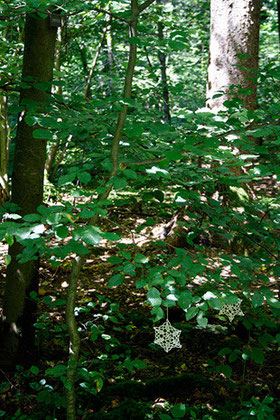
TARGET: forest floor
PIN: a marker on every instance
(117, 335)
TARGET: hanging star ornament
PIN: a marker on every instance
(167, 336)
(231, 311)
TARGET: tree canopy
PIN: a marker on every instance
(139, 206)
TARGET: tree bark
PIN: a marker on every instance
(4, 149)
(87, 94)
(27, 180)
(165, 92)
(233, 56)
(278, 18)
(58, 90)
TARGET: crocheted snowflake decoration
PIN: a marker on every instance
(231, 311)
(167, 336)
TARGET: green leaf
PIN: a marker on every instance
(153, 297)
(165, 417)
(9, 239)
(126, 255)
(202, 322)
(90, 235)
(225, 369)
(42, 133)
(158, 312)
(158, 195)
(77, 247)
(141, 259)
(62, 232)
(116, 280)
(139, 364)
(257, 355)
(176, 45)
(33, 217)
(185, 299)
(178, 411)
(84, 177)
(57, 371)
(115, 260)
(275, 303)
(257, 299)
(129, 269)
(130, 174)
(66, 382)
(34, 370)
(232, 357)
(7, 259)
(66, 179)
(118, 183)
(224, 351)
(191, 313)
(110, 236)
(173, 155)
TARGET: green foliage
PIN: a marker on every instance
(226, 245)
(256, 409)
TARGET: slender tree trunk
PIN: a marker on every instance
(27, 181)
(94, 61)
(4, 149)
(165, 92)
(233, 56)
(58, 90)
(74, 340)
(61, 156)
(109, 43)
(278, 18)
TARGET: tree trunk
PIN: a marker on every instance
(27, 181)
(278, 18)
(165, 92)
(58, 90)
(87, 94)
(233, 56)
(4, 149)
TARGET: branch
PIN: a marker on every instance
(97, 9)
(146, 162)
(94, 62)
(144, 5)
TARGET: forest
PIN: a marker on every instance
(139, 209)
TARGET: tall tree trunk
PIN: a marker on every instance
(4, 149)
(94, 61)
(278, 18)
(58, 90)
(165, 92)
(27, 181)
(234, 46)
(109, 43)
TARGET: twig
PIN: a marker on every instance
(144, 6)
(94, 62)
(11, 384)
(107, 12)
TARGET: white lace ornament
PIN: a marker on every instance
(167, 336)
(231, 311)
